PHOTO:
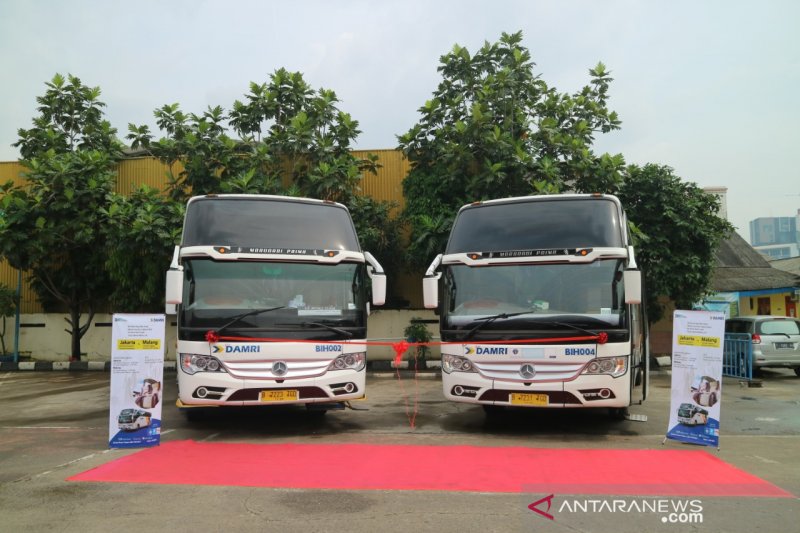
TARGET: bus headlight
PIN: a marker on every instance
(192, 363)
(349, 361)
(455, 363)
(613, 366)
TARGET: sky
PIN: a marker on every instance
(709, 88)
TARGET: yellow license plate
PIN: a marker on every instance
(278, 395)
(529, 399)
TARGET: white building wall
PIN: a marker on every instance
(42, 336)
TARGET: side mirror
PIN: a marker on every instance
(378, 277)
(430, 291)
(174, 294)
(633, 286)
(430, 284)
(378, 289)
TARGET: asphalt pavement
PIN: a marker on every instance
(55, 424)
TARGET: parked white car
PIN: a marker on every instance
(775, 339)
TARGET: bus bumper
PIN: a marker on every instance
(221, 389)
(586, 391)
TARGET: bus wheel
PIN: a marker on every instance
(492, 411)
(618, 413)
(194, 414)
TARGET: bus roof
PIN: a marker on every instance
(268, 221)
(539, 223)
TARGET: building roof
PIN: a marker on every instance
(741, 268)
(791, 265)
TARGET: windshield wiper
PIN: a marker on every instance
(576, 328)
(321, 325)
(245, 315)
(489, 319)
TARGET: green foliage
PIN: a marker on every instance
(287, 133)
(290, 139)
(8, 306)
(494, 129)
(8, 301)
(70, 119)
(379, 233)
(142, 230)
(53, 226)
(417, 331)
(677, 233)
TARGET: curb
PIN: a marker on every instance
(65, 366)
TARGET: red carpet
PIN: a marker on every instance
(443, 468)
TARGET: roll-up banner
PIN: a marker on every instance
(697, 343)
(137, 373)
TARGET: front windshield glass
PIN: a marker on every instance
(576, 293)
(306, 297)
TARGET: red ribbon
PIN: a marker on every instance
(399, 349)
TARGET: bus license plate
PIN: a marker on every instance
(529, 399)
(278, 395)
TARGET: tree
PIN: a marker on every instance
(290, 139)
(8, 307)
(287, 134)
(53, 225)
(142, 230)
(677, 233)
(495, 129)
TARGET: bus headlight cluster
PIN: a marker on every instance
(614, 366)
(349, 361)
(192, 363)
(455, 363)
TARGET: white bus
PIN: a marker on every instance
(692, 415)
(271, 296)
(541, 305)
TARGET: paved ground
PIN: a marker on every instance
(55, 424)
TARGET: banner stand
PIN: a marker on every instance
(137, 376)
(696, 392)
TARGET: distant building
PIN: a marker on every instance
(745, 284)
(776, 237)
(722, 195)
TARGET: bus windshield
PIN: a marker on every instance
(589, 293)
(262, 222)
(301, 300)
(537, 225)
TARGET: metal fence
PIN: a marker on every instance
(737, 360)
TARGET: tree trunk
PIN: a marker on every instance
(75, 331)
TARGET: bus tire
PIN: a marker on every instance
(194, 414)
(618, 413)
(492, 411)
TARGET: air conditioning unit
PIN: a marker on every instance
(796, 295)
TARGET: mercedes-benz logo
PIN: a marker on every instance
(279, 368)
(527, 371)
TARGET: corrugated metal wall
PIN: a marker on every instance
(386, 185)
(9, 276)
